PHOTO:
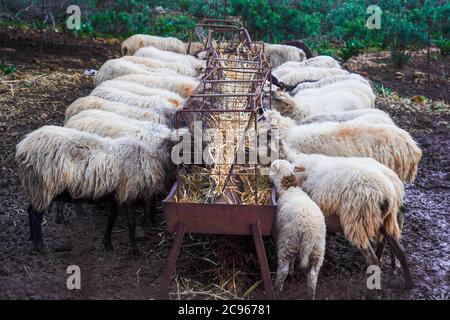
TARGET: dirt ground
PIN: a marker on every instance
(209, 267)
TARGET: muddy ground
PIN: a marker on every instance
(209, 267)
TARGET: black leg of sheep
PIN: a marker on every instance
(131, 218)
(35, 219)
(107, 243)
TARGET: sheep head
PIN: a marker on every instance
(281, 174)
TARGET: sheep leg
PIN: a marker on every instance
(131, 218)
(380, 249)
(282, 273)
(60, 213)
(150, 211)
(35, 218)
(80, 209)
(107, 242)
(371, 259)
(400, 254)
(312, 281)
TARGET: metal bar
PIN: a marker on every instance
(174, 252)
(262, 258)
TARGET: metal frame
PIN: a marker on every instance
(216, 96)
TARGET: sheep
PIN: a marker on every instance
(316, 62)
(119, 67)
(142, 90)
(56, 160)
(360, 115)
(178, 67)
(301, 45)
(278, 54)
(289, 78)
(161, 106)
(331, 79)
(300, 227)
(184, 86)
(364, 92)
(92, 102)
(330, 102)
(356, 197)
(387, 144)
(137, 41)
(172, 57)
(194, 48)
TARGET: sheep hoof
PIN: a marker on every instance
(39, 247)
(136, 252)
(108, 247)
(409, 285)
(373, 295)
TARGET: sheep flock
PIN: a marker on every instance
(342, 168)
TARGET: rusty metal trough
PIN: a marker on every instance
(232, 86)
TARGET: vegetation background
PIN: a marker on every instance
(330, 27)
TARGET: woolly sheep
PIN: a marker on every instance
(387, 144)
(300, 227)
(91, 103)
(361, 115)
(356, 198)
(291, 77)
(137, 41)
(171, 57)
(328, 80)
(330, 102)
(162, 106)
(301, 45)
(184, 86)
(363, 91)
(278, 54)
(53, 160)
(119, 67)
(316, 62)
(177, 67)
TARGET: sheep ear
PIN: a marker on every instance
(299, 168)
(275, 166)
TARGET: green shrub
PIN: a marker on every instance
(443, 45)
(351, 48)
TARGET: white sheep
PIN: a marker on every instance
(361, 90)
(300, 227)
(160, 105)
(178, 67)
(291, 77)
(172, 57)
(278, 54)
(361, 115)
(356, 197)
(328, 80)
(330, 102)
(118, 67)
(316, 62)
(55, 160)
(184, 86)
(137, 41)
(91, 102)
(387, 144)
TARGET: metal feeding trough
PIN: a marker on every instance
(226, 197)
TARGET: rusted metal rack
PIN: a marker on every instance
(225, 192)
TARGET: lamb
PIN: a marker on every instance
(137, 41)
(330, 102)
(316, 62)
(363, 91)
(184, 86)
(55, 160)
(160, 105)
(356, 197)
(301, 45)
(331, 79)
(119, 67)
(360, 115)
(387, 144)
(278, 54)
(171, 57)
(289, 78)
(96, 103)
(300, 227)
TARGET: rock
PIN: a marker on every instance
(36, 60)
(399, 75)
(419, 75)
(383, 65)
(160, 10)
(44, 116)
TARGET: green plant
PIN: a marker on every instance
(443, 45)
(351, 48)
(7, 69)
(382, 89)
